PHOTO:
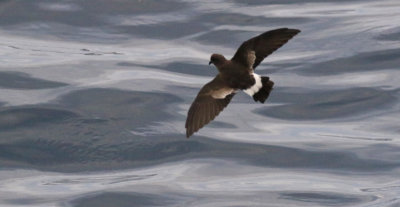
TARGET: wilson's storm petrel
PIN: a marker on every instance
(236, 74)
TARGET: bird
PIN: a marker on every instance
(234, 75)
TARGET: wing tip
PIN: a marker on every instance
(295, 31)
(189, 130)
(289, 30)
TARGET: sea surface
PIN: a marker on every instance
(94, 96)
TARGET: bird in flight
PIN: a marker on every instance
(236, 74)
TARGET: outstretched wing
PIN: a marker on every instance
(253, 51)
(210, 101)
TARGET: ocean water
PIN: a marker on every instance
(94, 96)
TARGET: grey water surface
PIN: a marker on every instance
(94, 96)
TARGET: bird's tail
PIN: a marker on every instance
(262, 94)
(261, 89)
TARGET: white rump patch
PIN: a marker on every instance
(256, 87)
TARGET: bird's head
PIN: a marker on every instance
(217, 59)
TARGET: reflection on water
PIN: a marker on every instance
(377, 60)
(328, 104)
(23, 81)
(94, 95)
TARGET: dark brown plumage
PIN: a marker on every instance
(236, 74)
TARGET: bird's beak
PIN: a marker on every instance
(210, 63)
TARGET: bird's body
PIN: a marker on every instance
(236, 74)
